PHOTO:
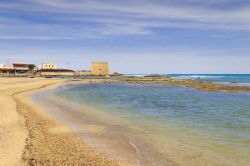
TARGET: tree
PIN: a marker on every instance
(32, 67)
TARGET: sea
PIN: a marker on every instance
(158, 125)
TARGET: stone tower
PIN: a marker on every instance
(99, 68)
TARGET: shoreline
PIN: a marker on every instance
(92, 126)
(30, 136)
(192, 155)
(171, 149)
(207, 86)
(42, 140)
(103, 132)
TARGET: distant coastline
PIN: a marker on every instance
(166, 80)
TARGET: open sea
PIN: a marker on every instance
(158, 124)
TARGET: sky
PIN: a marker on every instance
(134, 36)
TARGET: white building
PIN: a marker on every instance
(49, 66)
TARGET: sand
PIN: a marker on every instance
(29, 136)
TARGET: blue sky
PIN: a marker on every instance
(134, 36)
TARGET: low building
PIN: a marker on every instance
(18, 65)
(50, 69)
(99, 68)
(15, 68)
(49, 66)
(7, 71)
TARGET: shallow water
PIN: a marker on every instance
(154, 124)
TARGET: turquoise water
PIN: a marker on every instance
(173, 126)
(236, 79)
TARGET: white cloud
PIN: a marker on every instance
(116, 18)
(94, 19)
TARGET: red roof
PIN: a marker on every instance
(7, 68)
(11, 69)
(21, 63)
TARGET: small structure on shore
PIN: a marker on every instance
(99, 68)
(56, 72)
(7, 71)
(15, 68)
(50, 69)
(49, 65)
(19, 67)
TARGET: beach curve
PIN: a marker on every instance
(33, 143)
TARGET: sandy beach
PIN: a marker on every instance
(29, 136)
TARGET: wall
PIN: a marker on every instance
(82, 73)
(99, 68)
(57, 73)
